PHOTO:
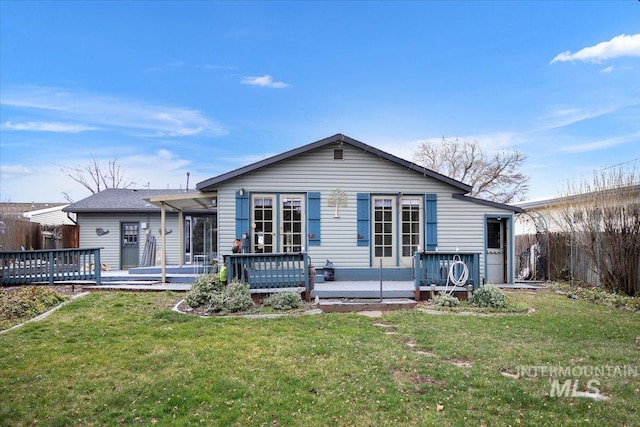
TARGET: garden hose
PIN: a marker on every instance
(456, 279)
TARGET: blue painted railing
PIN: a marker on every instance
(433, 267)
(271, 270)
(49, 266)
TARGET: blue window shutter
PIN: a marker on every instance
(364, 227)
(242, 214)
(431, 221)
(313, 218)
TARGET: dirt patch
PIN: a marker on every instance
(509, 374)
(61, 289)
(257, 309)
(461, 363)
(419, 382)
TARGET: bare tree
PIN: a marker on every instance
(602, 217)
(493, 177)
(95, 178)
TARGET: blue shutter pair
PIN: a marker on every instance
(313, 216)
(363, 218)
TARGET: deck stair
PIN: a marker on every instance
(364, 289)
(185, 274)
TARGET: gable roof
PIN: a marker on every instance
(121, 200)
(489, 203)
(209, 184)
(17, 209)
(627, 190)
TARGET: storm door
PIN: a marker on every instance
(130, 245)
(496, 254)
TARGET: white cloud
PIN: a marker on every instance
(264, 81)
(565, 116)
(15, 170)
(602, 144)
(126, 115)
(47, 127)
(607, 69)
(621, 45)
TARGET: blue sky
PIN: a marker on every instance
(205, 87)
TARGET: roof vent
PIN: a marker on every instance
(338, 154)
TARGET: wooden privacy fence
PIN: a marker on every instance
(438, 268)
(270, 271)
(563, 257)
(49, 266)
(21, 234)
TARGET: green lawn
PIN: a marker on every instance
(126, 359)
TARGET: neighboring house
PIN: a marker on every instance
(551, 233)
(43, 213)
(127, 227)
(550, 215)
(53, 215)
(51, 231)
(342, 200)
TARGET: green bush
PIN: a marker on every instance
(27, 302)
(232, 298)
(489, 296)
(445, 300)
(202, 290)
(283, 301)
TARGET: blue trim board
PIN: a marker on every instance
(509, 242)
(313, 218)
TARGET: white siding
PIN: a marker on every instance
(50, 216)
(110, 254)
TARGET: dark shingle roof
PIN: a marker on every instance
(209, 184)
(121, 200)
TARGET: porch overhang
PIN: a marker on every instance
(187, 202)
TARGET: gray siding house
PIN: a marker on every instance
(341, 200)
(335, 199)
(128, 228)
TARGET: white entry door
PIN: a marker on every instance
(411, 229)
(495, 251)
(384, 241)
(292, 223)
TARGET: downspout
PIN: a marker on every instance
(180, 238)
(71, 219)
(163, 250)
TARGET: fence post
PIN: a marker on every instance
(380, 279)
(51, 266)
(97, 265)
(306, 273)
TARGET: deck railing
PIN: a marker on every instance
(434, 268)
(270, 270)
(49, 266)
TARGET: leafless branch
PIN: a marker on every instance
(496, 177)
(95, 179)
